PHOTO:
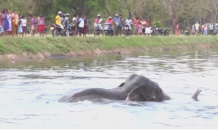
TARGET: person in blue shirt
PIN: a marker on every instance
(120, 24)
(116, 24)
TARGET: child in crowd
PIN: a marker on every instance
(140, 28)
(20, 29)
(34, 23)
(24, 23)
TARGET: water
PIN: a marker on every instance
(29, 92)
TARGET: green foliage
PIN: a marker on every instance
(29, 48)
(2, 48)
(163, 11)
(157, 23)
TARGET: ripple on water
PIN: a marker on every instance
(30, 92)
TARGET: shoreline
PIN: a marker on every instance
(41, 48)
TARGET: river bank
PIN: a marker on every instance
(20, 49)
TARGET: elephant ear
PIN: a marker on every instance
(142, 93)
(138, 94)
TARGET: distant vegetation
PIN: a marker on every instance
(165, 13)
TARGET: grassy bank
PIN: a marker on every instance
(64, 45)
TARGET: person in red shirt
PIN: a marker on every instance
(136, 23)
(98, 22)
(41, 22)
(110, 23)
(110, 20)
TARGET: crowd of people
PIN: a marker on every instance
(141, 26)
(80, 24)
(14, 24)
(204, 29)
(199, 29)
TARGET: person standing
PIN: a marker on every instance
(148, 27)
(116, 24)
(34, 23)
(74, 23)
(211, 28)
(178, 29)
(205, 29)
(140, 28)
(41, 23)
(81, 25)
(24, 24)
(20, 29)
(197, 26)
(129, 23)
(136, 23)
(120, 24)
(5, 21)
(10, 23)
(15, 18)
(85, 30)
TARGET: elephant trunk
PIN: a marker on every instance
(195, 95)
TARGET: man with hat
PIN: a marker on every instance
(98, 21)
(110, 22)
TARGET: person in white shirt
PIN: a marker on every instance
(211, 28)
(197, 25)
(81, 25)
(74, 24)
(129, 23)
(23, 25)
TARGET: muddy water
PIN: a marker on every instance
(29, 92)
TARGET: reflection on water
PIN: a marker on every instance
(30, 91)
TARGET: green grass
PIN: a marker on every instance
(19, 45)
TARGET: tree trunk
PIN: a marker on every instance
(33, 8)
(173, 28)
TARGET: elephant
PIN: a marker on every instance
(135, 88)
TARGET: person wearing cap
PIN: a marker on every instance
(58, 20)
(110, 22)
(99, 21)
(116, 24)
(67, 18)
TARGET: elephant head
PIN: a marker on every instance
(143, 93)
